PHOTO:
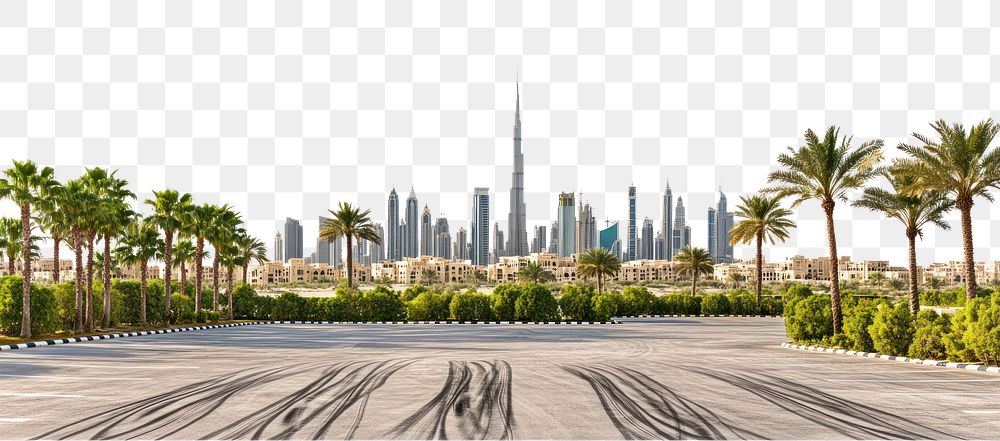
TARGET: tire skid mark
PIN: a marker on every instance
(643, 408)
(475, 401)
(846, 417)
(190, 403)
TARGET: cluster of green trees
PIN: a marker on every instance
(93, 217)
(880, 325)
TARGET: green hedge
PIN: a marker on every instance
(44, 317)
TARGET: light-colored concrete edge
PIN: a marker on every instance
(936, 363)
(41, 343)
(696, 316)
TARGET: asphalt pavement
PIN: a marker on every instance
(646, 378)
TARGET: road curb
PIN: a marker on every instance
(62, 341)
(697, 315)
(937, 363)
(447, 322)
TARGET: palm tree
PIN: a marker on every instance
(184, 255)
(250, 249)
(80, 207)
(825, 171)
(735, 279)
(428, 275)
(694, 261)
(933, 283)
(535, 273)
(353, 223)
(200, 223)
(896, 284)
(169, 208)
(25, 184)
(53, 217)
(763, 219)
(231, 257)
(221, 235)
(961, 164)
(914, 211)
(11, 245)
(877, 279)
(600, 263)
(112, 193)
(139, 244)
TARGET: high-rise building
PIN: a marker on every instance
(322, 246)
(554, 239)
(682, 232)
(427, 235)
(461, 244)
(412, 226)
(540, 239)
(361, 252)
(648, 242)
(375, 249)
(480, 226)
(401, 234)
(441, 239)
(667, 229)
(658, 246)
(632, 227)
(566, 216)
(516, 224)
(279, 247)
(393, 250)
(609, 235)
(337, 252)
(586, 228)
(720, 222)
(293, 239)
(498, 243)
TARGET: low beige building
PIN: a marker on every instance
(297, 271)
(412, 270)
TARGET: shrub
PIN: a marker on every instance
(743, 302)
(212, 316)
(857, 320)
(771, 306)
(576, 302)
(954, 342)
(536, 303)
(606, 305)
(182, 308)
(982, 336)
(808, 319)
(248, 305)
(287, 306)
(411, 292)
(715, 304)
(471, 305)
(380, 304)
(65, 293)
(428, 306)
(313, 309)
(126, 301)
(637, 300)
(679, 304)
(504, 301)
(928, 338)
(44, 316)
(892, 329)
(796, 291)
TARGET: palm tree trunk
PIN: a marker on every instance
(56, 240)
(246, 267)
(88, 319)
(350, 263)
(183, 287)
(215, 281)
(694, 282)
(914, 296)
(78, 251)
(142, 292)
(11, 259)
(600, 283)
(199, 253)
(25, 271)
(760, 269)
(964, 204)
(168, 261)
(831, 237)
(229, 292)
(107, 281)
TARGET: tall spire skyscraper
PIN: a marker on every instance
(631, 252)
(667, 229)
(517, 229)
(412, 226)
(393, 250)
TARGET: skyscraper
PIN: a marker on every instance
(427, 235)
(480, 226)
(682, 232)
(516, 225)
(667, 229)
(632, 227)
(648, 242)
(498, 243)
(720, 222)
(442, 238)
(566, 215)
(609, 235)
(337, 252)
(279, 247)
(461, 244)
(401, 234)
(375, 249)
(393, 250)
(586, 228)
(554, 239)
(322, 246)
(539, 242)
(293, 239)
(412, 226)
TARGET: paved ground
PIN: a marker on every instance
(652, 378)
